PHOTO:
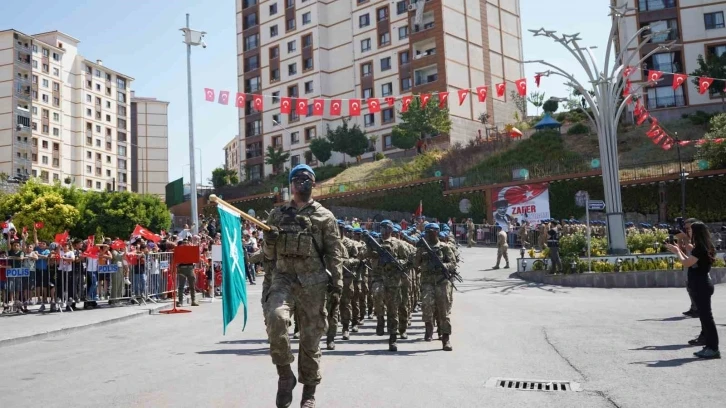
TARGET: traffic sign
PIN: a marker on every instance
(597, 205)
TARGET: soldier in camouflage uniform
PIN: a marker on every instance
(404, 310)
(308, 254)
(360, 283)
(436, 290)
(345, 310)
(387, 282)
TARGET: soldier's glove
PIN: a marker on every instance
(271, 235)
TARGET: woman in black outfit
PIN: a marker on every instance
(702, 256)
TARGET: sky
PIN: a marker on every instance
(141, 38)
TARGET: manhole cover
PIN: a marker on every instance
(532, 385)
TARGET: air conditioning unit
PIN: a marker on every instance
(412, 7)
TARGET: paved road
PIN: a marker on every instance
(625, 348)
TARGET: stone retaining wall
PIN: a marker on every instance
(639, 279)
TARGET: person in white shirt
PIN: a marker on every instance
(8, 225)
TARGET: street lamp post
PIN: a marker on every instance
(605, 104)
(192, 38)
(682, 176)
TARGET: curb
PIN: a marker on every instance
(75, 329)
(621, 280)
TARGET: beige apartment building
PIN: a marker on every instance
(366, 48)
(232, 155)
(63, 117)
(698, 27)
(149, 145)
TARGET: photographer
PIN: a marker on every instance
(683, 237)
(699, 262)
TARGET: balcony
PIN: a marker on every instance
(424, 49)
(23, 61)
(22, 48)
(22, 92)
(426, 23)
(662, 102)
(56, 154)
(425, 76)
(654, 5)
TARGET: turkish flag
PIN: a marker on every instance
(354, 107)
(654, 132)
(374, 106)
(482, 92)
(419, 210)
(142, 232)
(638, 108)
(3, 225)
(118, 245)
(301, 106)
(285, 105)
(703, 84)
(61, 238)
(521, 194)
(654, 76)
(462, 95)
(626, 90)
(500, 89)
(537, 78)
(406, 100)
(654, 125)
(335, 106)
(223, 97)
(38, 225)
(257, 102)
(391, 101)
(628, 71)
(318, 107)
(521, 86)
(659, 138)
(240, 101)
(443, 98)
(685, 142)
(209, 94)
(424, 98)
(643, 117)
(678, 80)
(668, 144)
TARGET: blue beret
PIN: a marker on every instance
(396, 228)
(340, 222)
(442, 234)
(357, 230)
(432, 226)
(298, 169)
(446, 227)
(348, 228)
(386, 223)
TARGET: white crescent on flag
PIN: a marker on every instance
(355, 105)
(318, 105)
(522, 85)
(224, 98)
(444, 97)
(240, 100)
(258, 102)
(482, 93)
(500, 88)
(285, 104)
(336, 106)
(679, 80)
(210, 94)
(301, 105)
(374, 104)
(705, 85)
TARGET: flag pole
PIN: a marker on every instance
(213, 198)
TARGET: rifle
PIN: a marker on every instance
(438, 263)
(348, 271)
(384, 255)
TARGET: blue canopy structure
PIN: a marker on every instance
(548, 122)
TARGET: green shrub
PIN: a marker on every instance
(578, 129)
(561, 117)
(379, 156)
(700, 117)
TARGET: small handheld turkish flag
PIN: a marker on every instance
(628, 71)
(391, 101)
(443, 98)
(209, 94)
(424, 98)
(500, 89)
(354, 107)
(240, 100)
(521, 86)
(405, 101)
(703, 84)
(537, 78)
(462, 95)
(654, 76)
(257, 102)
(318, 107)
(285, 105)
(482, 92)
(223, 97)
(335, 106)
(38, 225)
(373, 105)
(678, 80)
(301, 106)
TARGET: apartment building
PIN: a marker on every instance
(232, 155)
(698, 27)
(149, 146)
(369, 48)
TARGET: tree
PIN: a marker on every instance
(221, 177)
(276, 158)
(321, 148)
(484, 118)
(714, 153)
(419, 122)
(39, 203)
(349, 140)
(713, 66)
(536, 99)
(521, 103)
(550, 106)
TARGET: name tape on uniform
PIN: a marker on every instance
(108, 269)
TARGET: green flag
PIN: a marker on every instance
(234, 285)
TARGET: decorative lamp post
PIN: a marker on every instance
(524, 265)
(619, 265)
(605, 103)
(573, 266)
(656, 246)
(521, 252)
(671, 262)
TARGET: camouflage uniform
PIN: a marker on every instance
(404, 309)
(300, 282)
(345, 307)
(470, 230)
(436, 291)
(360, 285)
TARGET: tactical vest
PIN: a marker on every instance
(296, 239)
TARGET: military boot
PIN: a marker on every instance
(380, 326)
(392, 342)
(308, 397)
(331, 342)
(429, 332)
(346, 333)
(354, 327)
(285, 384)
(446, 343)
(404, 335)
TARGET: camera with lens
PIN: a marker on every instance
(681, 224)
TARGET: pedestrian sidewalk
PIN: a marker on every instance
(17, 329)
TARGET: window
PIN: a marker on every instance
(365, 45)
(98, 185)
(401, 7)
(88, 112)
(275, 119)
(56, 86)
(273, 9)
(294, 138)
(250, 20)
(108, 118)
(56, 72)
(108, 104)
(387, 89)
(385, 64)
(306, 18)
(121, 123)
(98, 87)
(88, 170)
(405, 84)
(276, 98)
(308, 64)
(308, 87)
(290, 25)
(310, 109)
(369, 120)
(252, 42)
(662, 26)
(35, 79)
(56, 147)
(402, 32)
(649, 5)
(384, 39)
(89, 141)
(45, 98)
(45, 113)
(366, 69)
(307, 41)
(277, 141)
(367, 93)
(275, 75)
(292, 91)
(291, 46)
(403, 58)
(56, 131)
(89, 99)
(56, 101)
(35, 64)
(665, 97)
(252, 63)
(292, 69)
(108, 159)
(252, 85)
(290, 3)
(35, 110)
(364, 20)
(45, 83)
(98, 142)
(46, 68)
(273, 31)
(56, 117)
(44, 144)
(387, 142)
(310, 133)
(121, 97)
(98, 74)
(45, 129)
(295, 160)
(274, 52)
(294, 117)
(387, 115)
(44, 159)
(382, 13)
(108, 77)
(120, 83)
(713, 20)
